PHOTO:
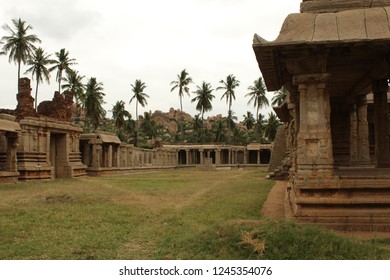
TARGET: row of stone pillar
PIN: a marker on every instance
(216, 156)
(312, 129)
(111, 155)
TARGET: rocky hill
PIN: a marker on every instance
(171, 120)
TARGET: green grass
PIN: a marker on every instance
(175, 214)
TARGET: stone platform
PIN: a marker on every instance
(358, 200)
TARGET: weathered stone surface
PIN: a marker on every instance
(25, 107)
(60, 107)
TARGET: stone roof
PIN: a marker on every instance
(105, 137)
(345, 26)
(329, 6)
(10, 126)
(306, 30)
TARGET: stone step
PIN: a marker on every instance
(346, 201)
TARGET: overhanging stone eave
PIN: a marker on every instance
(269, 54)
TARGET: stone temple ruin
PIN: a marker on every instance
(41, 147)
(44, 144)
(334, 59)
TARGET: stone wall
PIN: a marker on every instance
(60, 107)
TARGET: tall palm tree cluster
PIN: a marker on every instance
(20, 46)
(226, 130)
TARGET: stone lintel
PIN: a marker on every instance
(319, 78)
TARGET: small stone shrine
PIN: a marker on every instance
(49, 147)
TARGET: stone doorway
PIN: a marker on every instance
(58, 154)
(253, 157)
(182, 160)
(265, 156)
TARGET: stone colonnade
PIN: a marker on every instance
(253, 154)
(104, 153)
(331, 184)
(310, 131)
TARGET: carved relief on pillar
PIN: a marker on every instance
(292, 128)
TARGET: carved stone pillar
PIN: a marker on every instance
(96, 155)
(362, 129)
(187, 156)
(218, 156)
(201, 155)
(292, 100)
(353, 136)
(314, 143)
(382, 152)
(109, 156)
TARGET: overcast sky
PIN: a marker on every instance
(119, 41)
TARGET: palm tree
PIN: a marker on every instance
(203, 98)
(257, 95)
(279, 96)
(140, 97)
(271, 126)
(229, 85)
(74, 83)
(182, 82)
(249, 120)
(63, 62)
(231, 118)
(149, 126)
(19, 44)
(219, 131)
(119, 114)
(130, 126)
(238, 135)
(260, 125)
(38, 69)
(197, 125)
(93, 102)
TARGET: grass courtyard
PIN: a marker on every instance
(174, 214)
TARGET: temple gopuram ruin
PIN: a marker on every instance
(334, 59)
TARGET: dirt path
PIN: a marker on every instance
(274, 205)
